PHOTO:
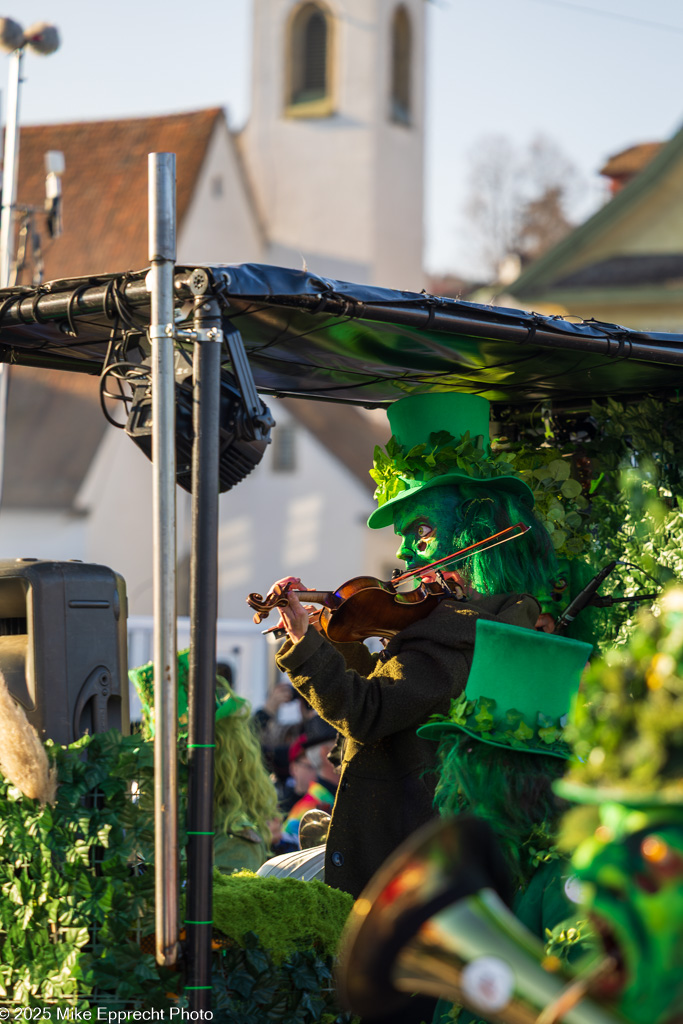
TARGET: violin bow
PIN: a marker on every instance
(502, 537)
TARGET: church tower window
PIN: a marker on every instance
(308, 62)
(401, 45)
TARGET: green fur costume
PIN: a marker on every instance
(500, 748)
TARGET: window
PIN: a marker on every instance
(401, 44)
(308, 63)
(284, 448)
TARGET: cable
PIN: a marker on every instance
(137, 373)
(638, 568)
(611, 14)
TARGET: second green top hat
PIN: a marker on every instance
(142, 678)
(518, 692)
(414, 462)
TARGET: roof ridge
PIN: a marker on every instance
(542, 269)
(177, 115)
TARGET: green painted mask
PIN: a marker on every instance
(631, 872)
(428, 524)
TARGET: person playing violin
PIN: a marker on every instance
(441, 490)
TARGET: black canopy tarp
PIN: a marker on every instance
(308, 336)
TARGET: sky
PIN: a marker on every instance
(594, 76)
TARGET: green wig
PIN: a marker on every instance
(510, 790)
(243, 791)
(522, 566)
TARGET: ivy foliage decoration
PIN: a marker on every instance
(569, 942)
(251, 987)
(627, 726)
(509, 729)
(559, 499)
(394, 468)
(75, 897)
(614, 495)
(637, 500)
(77, 904)
(279, 937)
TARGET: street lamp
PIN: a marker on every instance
(42, 38)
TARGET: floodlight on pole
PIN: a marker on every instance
(44, 39)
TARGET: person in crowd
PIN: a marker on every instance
(321, 791)
(301, 774)
(245, 800)
(441, 490)
(266, 718)
(276, 736)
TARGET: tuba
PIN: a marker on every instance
(435, 920)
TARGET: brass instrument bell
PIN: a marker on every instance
(434, 920)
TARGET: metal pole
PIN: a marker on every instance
(202, 675)
(10, 168)
(162, 259)
(9, 196)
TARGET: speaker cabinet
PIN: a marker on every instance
(63, 647)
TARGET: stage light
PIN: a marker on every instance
(242, 441)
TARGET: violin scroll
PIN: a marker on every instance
(263, 606)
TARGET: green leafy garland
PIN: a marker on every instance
(627, 728)
(394, 467)
(617, 495)
(545, 735)
(560, 503)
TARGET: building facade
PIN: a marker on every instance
(327, 174)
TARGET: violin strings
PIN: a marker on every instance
(473, 549)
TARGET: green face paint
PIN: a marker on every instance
(427, 525)
(632, 877)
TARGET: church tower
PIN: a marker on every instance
(334, 146)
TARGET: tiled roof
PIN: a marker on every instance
(630, 161)
(54, 419)
(105, 185)
(449, 286)
(626, 271)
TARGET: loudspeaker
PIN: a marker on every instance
(63, 646)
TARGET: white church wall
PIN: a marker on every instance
(116, 500)
(220, 225)
(399, 162)
(51, 534)
(328, 191)
(309, 523)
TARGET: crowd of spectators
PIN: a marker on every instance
(299, 750)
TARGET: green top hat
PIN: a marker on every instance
(438, 439)
(518, 691)
(142, 678)
(628, 733)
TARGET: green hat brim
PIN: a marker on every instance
(384, 515)
(229, 706)
(578, 793)
(438, 730)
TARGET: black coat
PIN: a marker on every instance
(377, 702)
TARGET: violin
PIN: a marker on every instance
(366, 606)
